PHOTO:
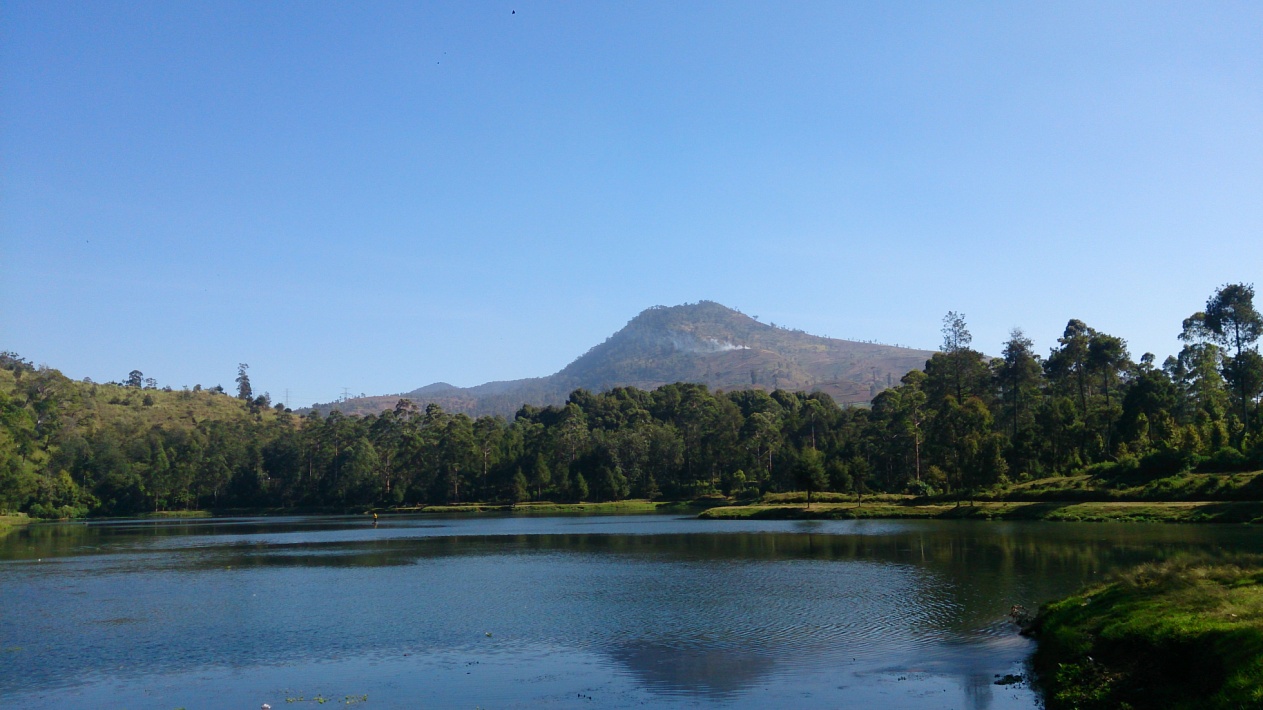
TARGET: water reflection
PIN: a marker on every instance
(718, 672)
(700, 611)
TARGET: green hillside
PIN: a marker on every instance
(75, 447)
(1086, 424)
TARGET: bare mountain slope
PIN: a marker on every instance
(703, 342)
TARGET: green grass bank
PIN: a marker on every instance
(1065, 511)
(1187, 633)
(1184, 485)
(1185, 497)
(626, 507)
(10, 522)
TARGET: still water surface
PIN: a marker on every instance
(566, 612)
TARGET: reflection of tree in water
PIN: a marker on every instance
(715, 672)
(110, 537)
(978, 691)
(967, 573)
(710, 615)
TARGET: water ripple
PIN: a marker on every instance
(690, 610)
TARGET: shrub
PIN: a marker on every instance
(1225, 459)
(922, 489)
(51, 512)
(1165, 462)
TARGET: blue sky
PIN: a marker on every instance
(382, 195)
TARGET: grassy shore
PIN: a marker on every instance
(623, 506)
(1164, 512)
(179, 514)
(12, 522)
(1184, 486)
(1187, 633)
(1179, 498)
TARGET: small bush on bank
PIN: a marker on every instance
(61, 512)
(1225, 459)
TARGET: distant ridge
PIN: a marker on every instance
(701, 342)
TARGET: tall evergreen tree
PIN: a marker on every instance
(243, 382)
(1018, 374)
(1234, 322)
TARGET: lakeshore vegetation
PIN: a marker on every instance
(1185, 633)
(1085, 423)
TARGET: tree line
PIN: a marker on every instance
(965, 423)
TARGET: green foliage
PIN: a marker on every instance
(244, 390)
(518, 490)
(1187, 633)
(810, 472)
(966, 426)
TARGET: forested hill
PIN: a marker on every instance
(967, 422)
(704, 343)
(70, 447)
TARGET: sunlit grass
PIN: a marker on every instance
(621, 506)
(179, 514)
(12, 521)
(830, 497)
(1158, 512)
(1180, 486)
(1187, 633)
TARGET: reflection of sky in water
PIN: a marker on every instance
(643, 609)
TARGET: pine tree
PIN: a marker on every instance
(243, 383)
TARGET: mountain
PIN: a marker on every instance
(701, 342)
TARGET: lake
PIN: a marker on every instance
(564, 612)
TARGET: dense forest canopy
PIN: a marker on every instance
(965, 423)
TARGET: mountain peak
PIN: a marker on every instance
(701, 309)
(687, 315)
(704, 342)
